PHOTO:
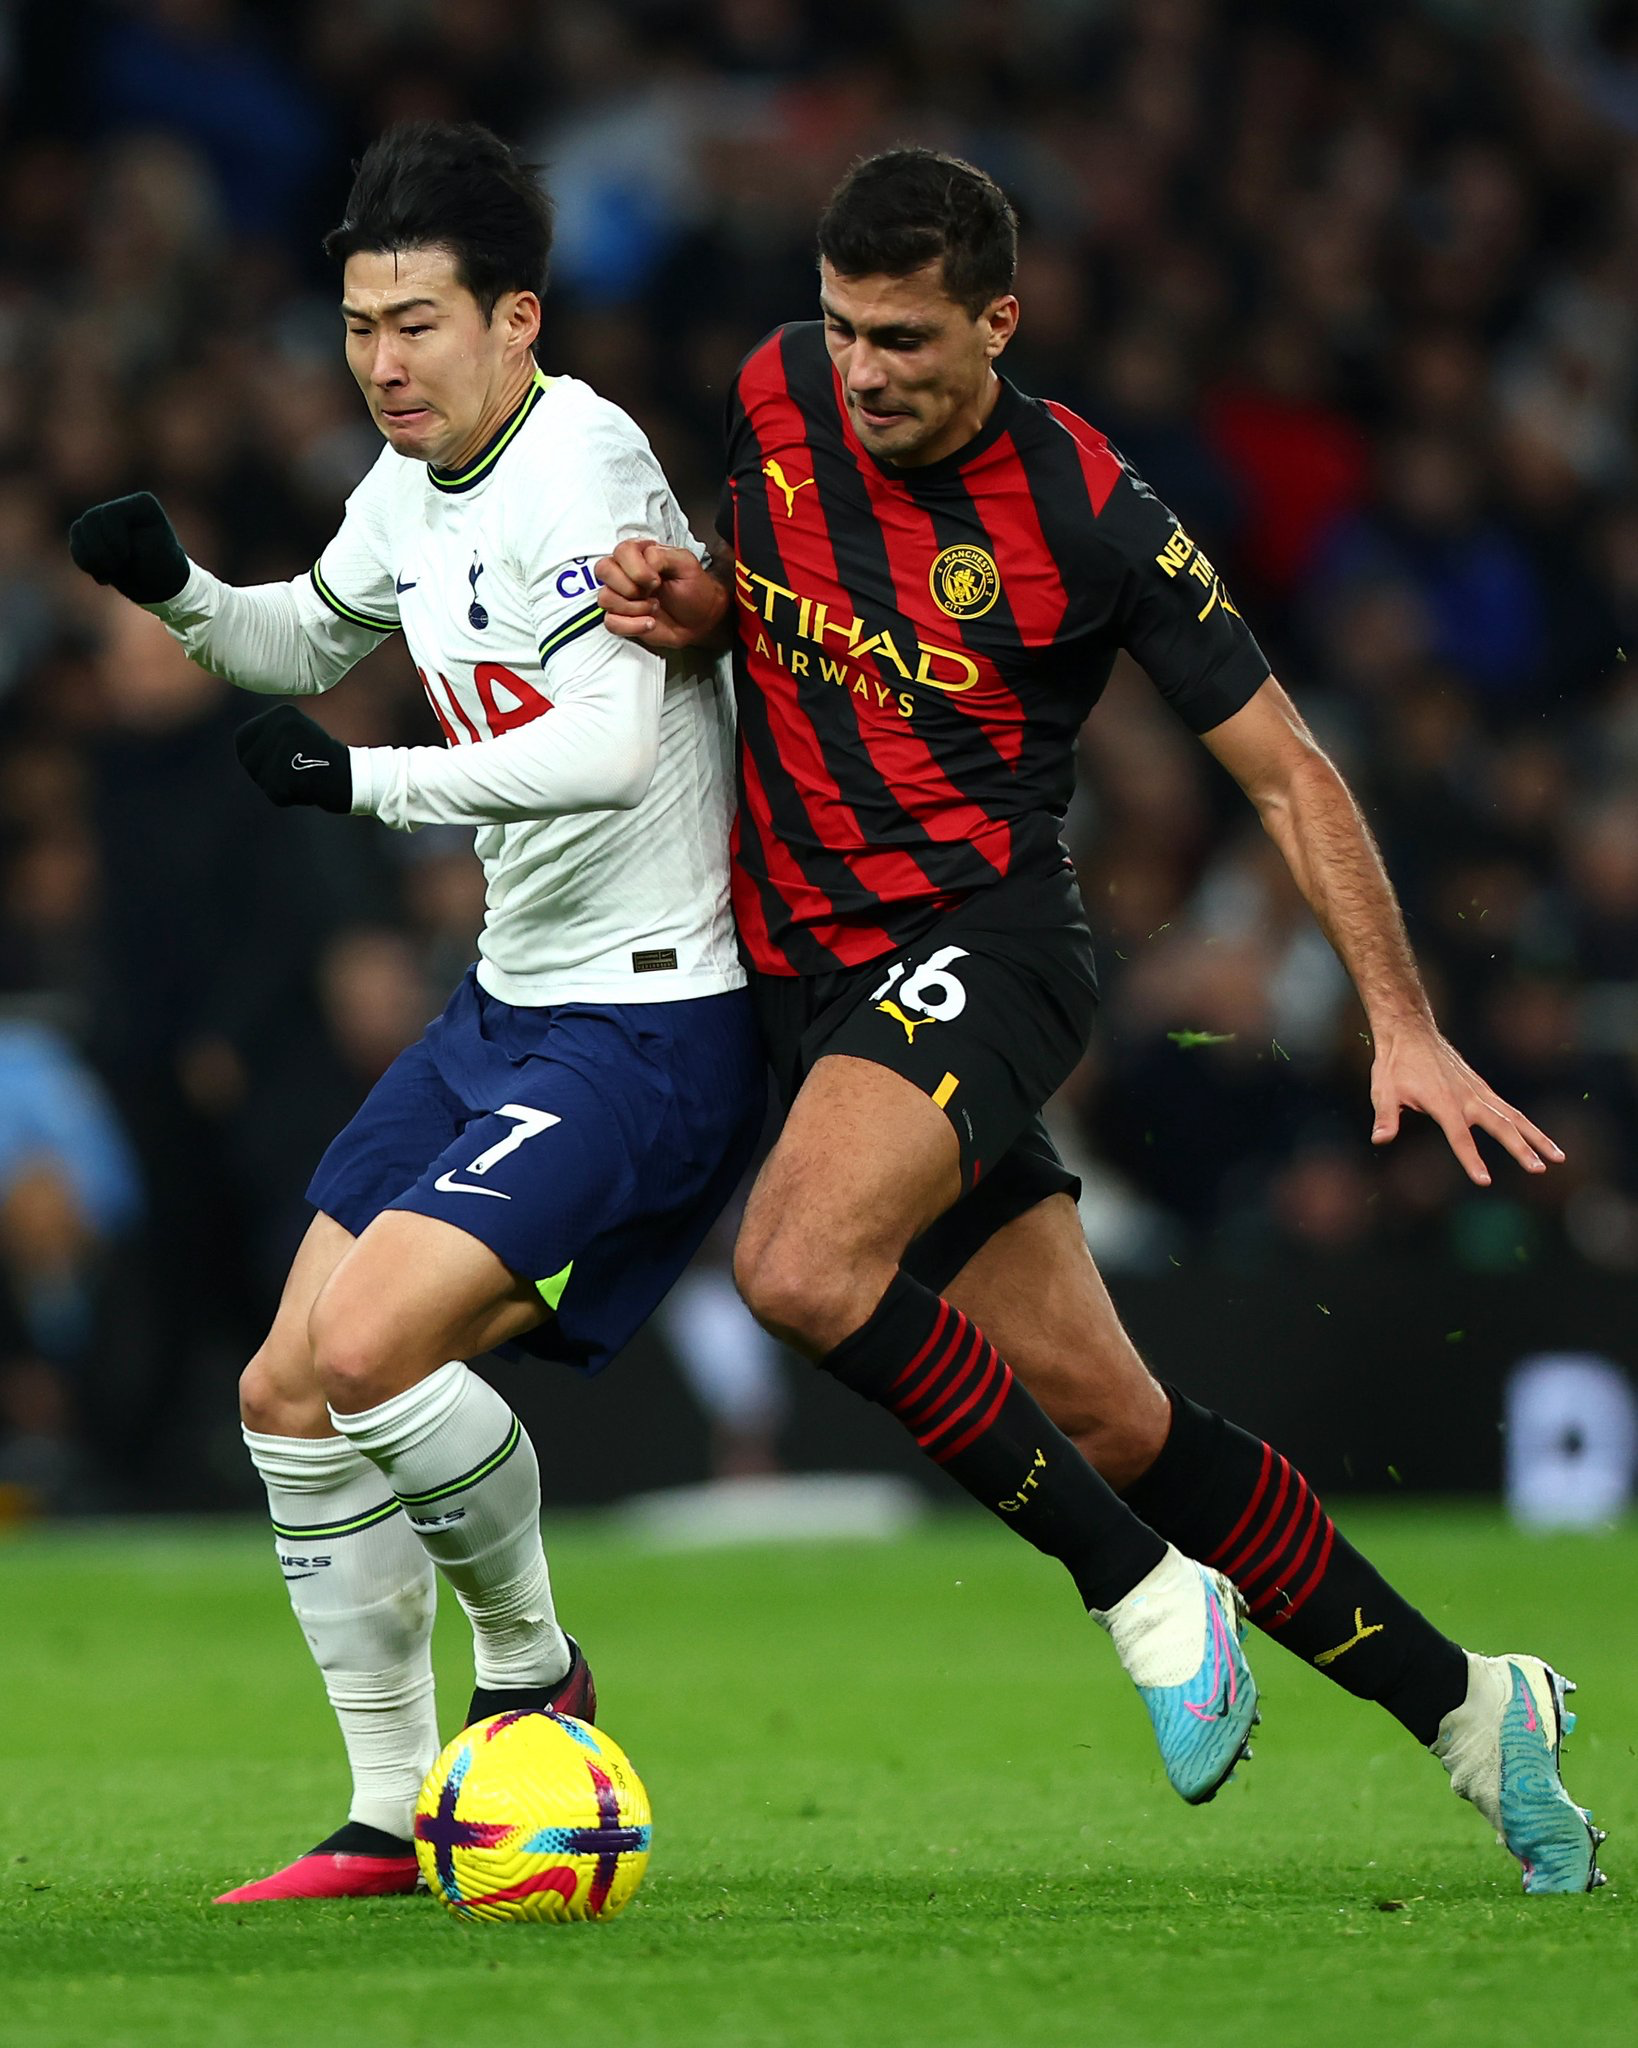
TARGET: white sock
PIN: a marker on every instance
(1159, 1626)
(466, 1473)
(364, 1595)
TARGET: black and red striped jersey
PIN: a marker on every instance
(917, 649)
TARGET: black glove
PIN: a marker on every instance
(295, 760)
(128, 542)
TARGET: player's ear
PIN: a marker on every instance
(519, 314)
(1001, 321)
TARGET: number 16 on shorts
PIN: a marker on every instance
(930, 990)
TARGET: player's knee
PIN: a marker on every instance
(1119, 1433)
(801, 1291)
(355, 1367)
(1119, 1449)
(276, 1399)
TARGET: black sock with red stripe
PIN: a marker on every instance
(1235, 1503)
(945, 1381)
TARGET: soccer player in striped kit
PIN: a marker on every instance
(929, 575)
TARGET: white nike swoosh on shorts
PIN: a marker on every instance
(447, 1184)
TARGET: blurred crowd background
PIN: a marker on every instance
(1355, 286)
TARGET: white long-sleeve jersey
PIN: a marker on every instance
(599, 775)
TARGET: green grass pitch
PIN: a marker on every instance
(903, 1796)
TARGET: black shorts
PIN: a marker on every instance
(987, 1014)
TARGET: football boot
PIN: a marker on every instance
(574, 1693)
(1501, 1748)
(359, 1862)
(356, 1862)
(1178, 1635)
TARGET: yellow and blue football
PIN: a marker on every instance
(533, 1816)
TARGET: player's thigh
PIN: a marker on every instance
(912, 1075)
(863, 1163)
(411, 1115)
(411, 1294)
(279, 1392)
(562, 1213)
(981, 1024)
(1036, 1292)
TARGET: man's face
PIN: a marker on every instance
(429, 364)
(915, 366)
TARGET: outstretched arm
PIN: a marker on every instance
(1309, 813)
(279, 639)
(276, 639)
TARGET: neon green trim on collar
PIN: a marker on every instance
(442, 480)
(551, 1291)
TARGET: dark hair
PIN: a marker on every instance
(451, 185)
(896, 212)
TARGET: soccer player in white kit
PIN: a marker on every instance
(537, 1169)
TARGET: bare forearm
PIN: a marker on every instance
(1334, 860)
(1308, 813)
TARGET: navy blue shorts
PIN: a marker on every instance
(589, 1145)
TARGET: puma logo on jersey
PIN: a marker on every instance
(776, 475)
(911, 1024)
(1360, 1633)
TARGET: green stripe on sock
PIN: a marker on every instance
(328, 1531)
(490, 1464)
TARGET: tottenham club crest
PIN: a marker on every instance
(475, 612)
(965, 582)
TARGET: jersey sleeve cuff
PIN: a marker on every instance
(189, 602)
(361, 760)
(1231, 688)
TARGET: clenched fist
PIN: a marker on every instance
(295, 760)
(129, 543)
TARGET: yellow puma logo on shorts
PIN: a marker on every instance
(911, 1024)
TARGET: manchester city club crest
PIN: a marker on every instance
(965, 582)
